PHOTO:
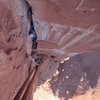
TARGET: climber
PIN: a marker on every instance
(33, 36)
(32, 32)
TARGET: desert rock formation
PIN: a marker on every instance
(65, 28)
(14, 60)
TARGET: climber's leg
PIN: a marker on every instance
(34, 36)
(34, 45)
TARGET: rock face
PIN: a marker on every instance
(14, 62)
(67, 27)
(64, 28)
(78, 78)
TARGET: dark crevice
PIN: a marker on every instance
(17, 67)
(26, 55)
(21, 47)
(18, 95)
(10, 58)
(11, 37)
(8, 51)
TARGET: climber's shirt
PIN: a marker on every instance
(31, 29)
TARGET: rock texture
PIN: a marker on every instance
(14, 62)
(78, 78)
(64, 28)
(67, 27)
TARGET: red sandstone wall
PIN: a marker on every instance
(64, 28)
(14, 63)
(72, 26)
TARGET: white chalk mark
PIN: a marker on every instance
(79, 5)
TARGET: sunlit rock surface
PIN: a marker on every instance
(67, 27)
(64, 27)
(78, 78)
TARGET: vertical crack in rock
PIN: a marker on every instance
(65, 28)
(13, 36)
